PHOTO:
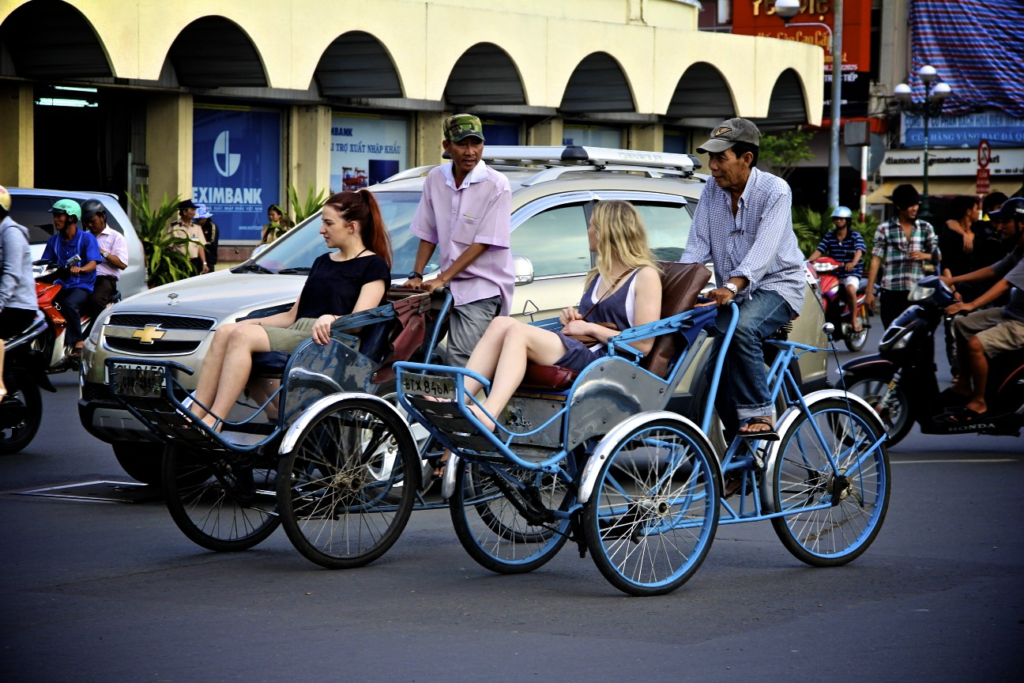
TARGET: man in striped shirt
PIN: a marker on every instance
(847, 248)
(903, 244)
(744, 226)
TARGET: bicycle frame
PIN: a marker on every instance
(749, 457)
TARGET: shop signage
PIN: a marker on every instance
(1001, 130)
(906, 163)
(758, 18)
(236, 168)
(366, 149)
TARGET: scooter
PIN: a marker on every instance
(900, 380)
(51, 345)
(837, 312)
(21, 411)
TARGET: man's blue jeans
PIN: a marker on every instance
(72, 302)
(743, 391)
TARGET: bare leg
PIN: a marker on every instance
(521, 343)
(978, 364)
(209, 374)
(484, 359)
(236, 364)
(851, 301)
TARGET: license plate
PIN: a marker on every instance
(136, 379)
(429, 385)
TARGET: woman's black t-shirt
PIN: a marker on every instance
(333, 286)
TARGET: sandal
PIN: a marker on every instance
(966, 416)
(764, 434)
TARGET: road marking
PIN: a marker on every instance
(932, 462)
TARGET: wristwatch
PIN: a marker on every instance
(415, 276)
(732, 288)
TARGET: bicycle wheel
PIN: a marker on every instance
(801, 477)
(348, 486)
(224, 503)
(654, 511)
(499, 515)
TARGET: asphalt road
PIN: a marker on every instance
(114, 592)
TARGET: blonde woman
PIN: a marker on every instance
(624, 289)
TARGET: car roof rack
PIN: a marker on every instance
(568, 158)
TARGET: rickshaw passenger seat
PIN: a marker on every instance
(681, 284)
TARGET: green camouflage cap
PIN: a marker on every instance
(461, 126)
(68, 206)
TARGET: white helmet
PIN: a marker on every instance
(842, 212)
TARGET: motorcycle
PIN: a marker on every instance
(51, 345)
(828, 279)
(21, 411)
(900, 380)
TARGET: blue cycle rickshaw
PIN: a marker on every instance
(597, 459)
(323, 450)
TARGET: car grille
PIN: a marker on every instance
(167, 322)
(157, 348)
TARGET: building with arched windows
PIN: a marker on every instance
(232, 102)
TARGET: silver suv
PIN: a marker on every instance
(553, 189)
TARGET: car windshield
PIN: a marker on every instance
(295, 252)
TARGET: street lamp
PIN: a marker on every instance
(787, 9)
(934, 96)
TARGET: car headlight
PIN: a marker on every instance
(97, 326)
(919, 293)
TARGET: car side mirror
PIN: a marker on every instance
(522, 267)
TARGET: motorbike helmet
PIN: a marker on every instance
(68, 206)
(842, 212)
(1012, 208)
(5, 199)
(91, 207)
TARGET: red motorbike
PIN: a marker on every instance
(51, 343)
(834, 303)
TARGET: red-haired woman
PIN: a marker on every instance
(353, 278)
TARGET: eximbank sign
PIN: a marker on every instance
(236, 167)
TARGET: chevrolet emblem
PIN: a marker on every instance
(149, 334)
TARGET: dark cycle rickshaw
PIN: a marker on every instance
(597, 459)
(325, 450)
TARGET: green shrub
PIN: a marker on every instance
(166, 259)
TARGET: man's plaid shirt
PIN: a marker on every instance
(891, 244)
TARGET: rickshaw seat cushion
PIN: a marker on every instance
(681, 284)
(547, 378)
(269, 363)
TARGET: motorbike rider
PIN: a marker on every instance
(113, 249)
(18, 304)
(985, 333)
(847, 247)
(76, 282)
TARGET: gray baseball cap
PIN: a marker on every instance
(728, 133)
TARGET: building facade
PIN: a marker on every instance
(231, 102)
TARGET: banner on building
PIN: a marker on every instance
(366, 149)
(758, 18)
(236, 168)
(1001, 130)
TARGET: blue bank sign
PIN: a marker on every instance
(236, 168)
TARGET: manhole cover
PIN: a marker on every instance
(99, 492)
